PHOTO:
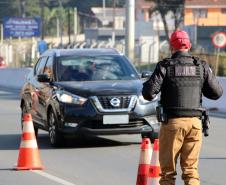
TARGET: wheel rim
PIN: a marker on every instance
(52, 128)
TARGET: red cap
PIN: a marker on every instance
(180, 40)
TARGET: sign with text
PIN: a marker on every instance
(21, 27)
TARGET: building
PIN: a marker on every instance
(205, 12)
(142, 12)
(202, 19)
(107, 35)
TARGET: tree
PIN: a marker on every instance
(8, 8)
(166, 6)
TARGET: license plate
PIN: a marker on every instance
(115, 119)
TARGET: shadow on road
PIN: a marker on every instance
(83, 142)
(9, 141)
(9, 94)
(12, 142)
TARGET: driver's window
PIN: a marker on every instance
(40, 66)
(49, 67)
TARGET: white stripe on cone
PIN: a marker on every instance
(153, 181)
(155, 159)
(145, 157)
(28, 144)
(28, 127)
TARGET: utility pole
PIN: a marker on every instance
(104, 10)
(69, 26)
(130, 29)
(23, 8)
(2, 34)
(58, 26)
(75, 23)
(113, 24)
(42, 18)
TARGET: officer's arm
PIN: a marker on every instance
(152, 87)
(211, 87)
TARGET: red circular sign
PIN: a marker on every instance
(219, 39)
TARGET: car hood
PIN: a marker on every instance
(101, 88)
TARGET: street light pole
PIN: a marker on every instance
(130, 29)
(69, 26)
(113, 24)
(23, 9)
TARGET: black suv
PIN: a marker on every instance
(87, 91)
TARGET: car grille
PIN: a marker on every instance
(105, 102)
(114, 103)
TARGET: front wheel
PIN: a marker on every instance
(56, 137)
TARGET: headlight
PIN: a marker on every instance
(143, 101)
(67, 97)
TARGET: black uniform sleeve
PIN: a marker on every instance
(211, 87)
(153, 86)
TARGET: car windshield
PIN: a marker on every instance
(73, 68)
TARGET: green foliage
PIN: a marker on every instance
(174, 6)
(53, 9)
(221, 70)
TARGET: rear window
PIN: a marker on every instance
(95, 68)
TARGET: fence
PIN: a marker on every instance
(22, 53)
(19, 53)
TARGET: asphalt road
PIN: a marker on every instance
(111, 160)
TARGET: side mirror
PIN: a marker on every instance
(43, 78)
(146, 74)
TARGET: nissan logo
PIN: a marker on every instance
(115, 102)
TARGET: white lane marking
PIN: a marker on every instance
(54, 178)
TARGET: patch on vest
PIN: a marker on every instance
(185, 71)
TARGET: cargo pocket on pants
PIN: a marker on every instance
(196, 132)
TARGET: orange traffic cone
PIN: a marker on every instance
(29, 155)
(155, 166)
(144, 164)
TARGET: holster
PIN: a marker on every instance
(161, 115)
(205, 123)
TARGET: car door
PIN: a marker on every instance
(37, 86)
(45, 91)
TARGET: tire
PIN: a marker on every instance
(55, 136)
(24, 111)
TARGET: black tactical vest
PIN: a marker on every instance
(181, 92)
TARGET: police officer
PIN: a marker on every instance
(182, 80)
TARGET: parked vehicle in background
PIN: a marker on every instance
(2, 62)
(87, 91)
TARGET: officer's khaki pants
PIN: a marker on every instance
(180, 136)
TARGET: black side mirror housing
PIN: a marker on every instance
(43, 78)
(146, 74)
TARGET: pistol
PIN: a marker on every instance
(205, 123)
